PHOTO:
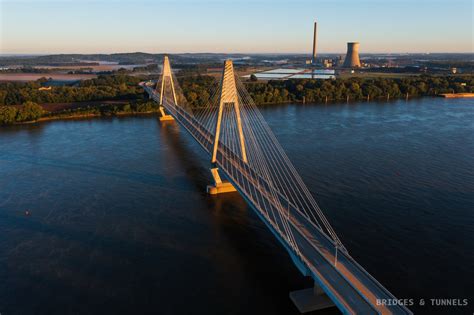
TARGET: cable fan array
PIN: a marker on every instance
(263, 173)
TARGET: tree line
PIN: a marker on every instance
(28, 112)
(315, 91)
(104, 87)
(197, 90)
(31, 111)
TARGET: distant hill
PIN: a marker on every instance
(121, 58)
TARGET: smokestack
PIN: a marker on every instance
(313, 58)
(352, 57)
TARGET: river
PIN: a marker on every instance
(119, 221)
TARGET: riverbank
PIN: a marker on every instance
(86, 116)
(33, 113)
(89, 110)
(82, 116)
(347, 100)
(197, 90)
(458, 95)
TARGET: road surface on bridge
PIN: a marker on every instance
(352, 288)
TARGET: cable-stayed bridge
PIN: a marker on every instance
(244, 150)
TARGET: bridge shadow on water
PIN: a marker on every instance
(260, 255)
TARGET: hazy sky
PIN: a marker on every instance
(105, 26)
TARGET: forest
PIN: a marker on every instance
(20, 102)
(104, 87)
(318, 91)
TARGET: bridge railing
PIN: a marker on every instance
(280, 210)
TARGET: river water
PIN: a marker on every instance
(119, 221)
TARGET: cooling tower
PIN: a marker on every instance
(352, 56)
(313, 58)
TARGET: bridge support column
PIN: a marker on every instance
(312, 299)
(164, 116)
(165, 84)
(219, 186)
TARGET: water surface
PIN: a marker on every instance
(120, 222)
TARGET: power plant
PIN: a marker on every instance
(313, 58)
(352, 57)
(351, 61)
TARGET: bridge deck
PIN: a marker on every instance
(351, 287)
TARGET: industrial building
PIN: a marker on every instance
(313, 58)
(352, 57)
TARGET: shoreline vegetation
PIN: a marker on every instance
(31, 112)
(103, 110)
(120, 95)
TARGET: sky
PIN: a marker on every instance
(245, 26)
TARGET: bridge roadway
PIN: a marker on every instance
(350, 287)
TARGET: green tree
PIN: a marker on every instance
(127, 108)
(29, 111)
(7, 114)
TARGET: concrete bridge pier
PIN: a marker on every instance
(312, 299)
(164, 116)
(219, 186)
